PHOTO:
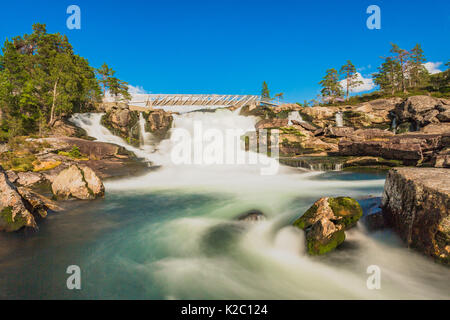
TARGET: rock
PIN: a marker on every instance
(123, 122)
(79, 182)
(40, 205)
(422, 110)
(252, 216)
(325, 222)
(29, 178)
(444, 116)
(370, 134)
(340, 131)
(65, 128)
(271, 123)
(411, 147)
(319, 113)
(434, 128)
(304, 125)
(13, 213)
(159, 123)
(416, 203)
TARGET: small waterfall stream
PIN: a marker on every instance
(339, 119)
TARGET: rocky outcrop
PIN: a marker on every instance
(422, 110)
(79, 182)
(159, 123)
(123, 122)
(411, 148)
(416, 203)
(271, 123)
(326, 221)
(13, 213)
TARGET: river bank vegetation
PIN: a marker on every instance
(42, 80)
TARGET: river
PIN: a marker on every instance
(172, 234)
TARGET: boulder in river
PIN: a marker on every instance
(251, 216)
(159, 123)
(416, 203)
(78, 182)
(325, 222)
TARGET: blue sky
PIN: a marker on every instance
(230, 47)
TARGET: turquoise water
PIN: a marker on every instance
(173, 234)
(185, 245)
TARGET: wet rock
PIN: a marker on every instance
(38, 204)
(13, 213)
(416, 203)
(78, 182)
(159, 123)
(252, 216)
(222, 238)
(123, 122)
(325, 222)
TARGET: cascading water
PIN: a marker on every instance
(172, 232)
(339, 119)
(294, 115)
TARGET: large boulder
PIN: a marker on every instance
(159, 123)
(123, 122)
(78, 182)
(13, 213)
(416, 203)
(325, 222)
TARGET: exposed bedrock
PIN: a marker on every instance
(416, 203)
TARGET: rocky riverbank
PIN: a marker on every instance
(413, 131)
(416, 204)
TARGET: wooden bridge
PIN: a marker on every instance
(166, 100)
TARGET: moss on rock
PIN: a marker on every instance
(319, 247)
(346, 207)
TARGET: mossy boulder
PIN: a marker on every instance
(326, 220)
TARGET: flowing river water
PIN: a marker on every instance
(172, 234)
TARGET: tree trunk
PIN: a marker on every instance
(52, 112)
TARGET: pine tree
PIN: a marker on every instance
(348, 71)
(401, 56)
(388, 76)
(418, 74)
(265, 93)
(331, 87)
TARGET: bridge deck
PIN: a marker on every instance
(159, 100)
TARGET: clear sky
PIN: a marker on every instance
(230, 47)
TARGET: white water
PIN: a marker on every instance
(294, 115)
(339, 119)
(268, 260)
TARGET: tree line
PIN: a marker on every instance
(43, 80)
(402, 71)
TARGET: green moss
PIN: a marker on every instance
(302, 222)
(318, 248)
(11, 225)
(347, 208)
(292, 130)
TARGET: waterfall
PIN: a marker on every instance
(339, 119)
(145, 137)
(394, 125)
(294, 115)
